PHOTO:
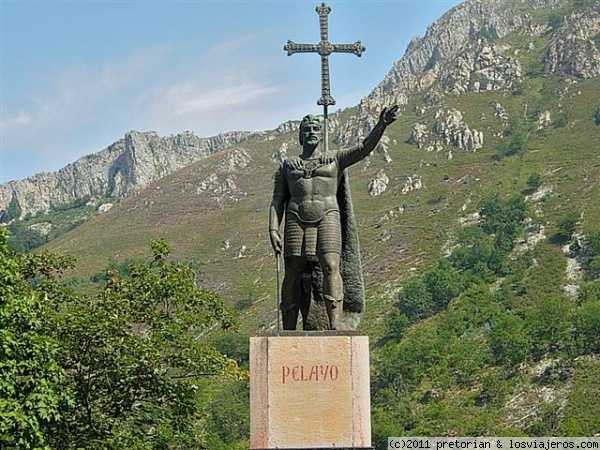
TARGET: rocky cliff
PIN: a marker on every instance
(122, 169)
(466, 51)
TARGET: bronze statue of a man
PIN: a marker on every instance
(306, 194)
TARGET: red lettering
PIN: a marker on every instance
(323, 370)
(314, 373)
(285, 372)
(333, 372)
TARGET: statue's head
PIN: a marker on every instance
(311, 131)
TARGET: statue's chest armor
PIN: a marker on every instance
(313, 175)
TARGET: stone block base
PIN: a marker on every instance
(310, 390)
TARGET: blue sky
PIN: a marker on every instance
(77, 75)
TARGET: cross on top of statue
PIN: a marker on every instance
(324, 48)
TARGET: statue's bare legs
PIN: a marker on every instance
(333, 288)
(291, 291)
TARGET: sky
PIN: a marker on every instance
(76, 75)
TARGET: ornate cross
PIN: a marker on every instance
(324, 48)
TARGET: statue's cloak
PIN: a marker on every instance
(351, 266)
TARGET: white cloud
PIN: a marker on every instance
(226, 88)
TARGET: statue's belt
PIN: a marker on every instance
(311, 222)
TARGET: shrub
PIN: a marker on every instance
(443, 282)
(414, 300)
(509, 340)
(587, 323)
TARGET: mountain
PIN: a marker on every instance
(500, 117)
(120, 170)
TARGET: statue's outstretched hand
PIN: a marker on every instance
(388, 115)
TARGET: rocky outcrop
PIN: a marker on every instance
(122, 169)
(544, 120)
(413, 183)
(379, 184)
(487, 68)
(574, 49)
(455, 131)
(450, 129)
(427, 58)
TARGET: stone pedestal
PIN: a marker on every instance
(310, 390)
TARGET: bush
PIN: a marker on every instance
(444, 283)
(589, 291)
(509, 340)
(568, 224)
(587, 323)
(593, 243)
(549, 322)
(534, 181)
(414, 300)
(474, 246)
(397, 325)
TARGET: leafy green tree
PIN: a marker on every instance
(443, 282)
(24, 239)
(509, 340)
(14, 209)
(230, 417)
(134, 353)
(504, 219)
(397, 324)
(33, 385)
(549, 323)
(415, 300)
(474, 247)
(119, 370)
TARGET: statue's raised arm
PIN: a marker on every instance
(348, 157)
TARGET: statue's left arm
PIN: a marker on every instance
(348, 157)
(277, 208)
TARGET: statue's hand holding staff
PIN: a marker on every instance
(276, 241)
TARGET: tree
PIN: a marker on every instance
(33, 385)
(134, 353)
(117, 370)
(415, 300)
(509, 340)
(443, 282)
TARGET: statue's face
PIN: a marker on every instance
(312, 133)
